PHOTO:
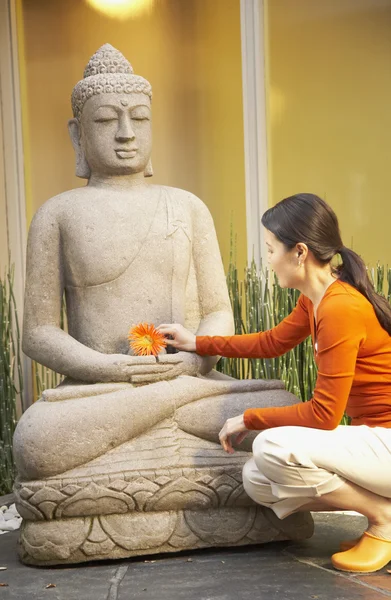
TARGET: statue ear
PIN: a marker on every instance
(82, 168)
(148, 171)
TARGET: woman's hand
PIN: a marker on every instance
(234, 426)
(182, 339)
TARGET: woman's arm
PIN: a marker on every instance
(340, 333)
(268, 344)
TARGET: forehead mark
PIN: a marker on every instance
(124, 102)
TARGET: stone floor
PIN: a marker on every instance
(279, 571)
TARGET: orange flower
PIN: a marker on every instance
(145, 340)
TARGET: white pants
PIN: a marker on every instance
(293, 465)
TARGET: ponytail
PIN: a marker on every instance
(353, 271)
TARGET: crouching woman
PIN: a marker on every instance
(303, 459)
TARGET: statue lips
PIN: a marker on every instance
(126, 152)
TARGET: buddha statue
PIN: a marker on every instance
(123, 458)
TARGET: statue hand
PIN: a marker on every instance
(181, 338)
(171, 366)
(190, 363)
(136, 369)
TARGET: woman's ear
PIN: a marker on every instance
(82, 168)
(302, 252)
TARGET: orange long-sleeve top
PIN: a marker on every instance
(352, 353)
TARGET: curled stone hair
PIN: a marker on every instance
(107, 72)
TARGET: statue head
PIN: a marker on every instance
(111, 128)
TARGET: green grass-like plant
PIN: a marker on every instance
(11, 378)
(258, 304)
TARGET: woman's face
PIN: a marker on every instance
(285, 263)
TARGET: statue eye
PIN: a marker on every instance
(105, 119)
(140, 114)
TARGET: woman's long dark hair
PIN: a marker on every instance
(308, 219)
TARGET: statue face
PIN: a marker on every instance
(116, 134)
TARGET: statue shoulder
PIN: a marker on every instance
(52, 210)
(192, 202)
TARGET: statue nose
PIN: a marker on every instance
(125, 130)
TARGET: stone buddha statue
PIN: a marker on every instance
(123, 457)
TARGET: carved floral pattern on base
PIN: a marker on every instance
(81, 539)
(195, 489)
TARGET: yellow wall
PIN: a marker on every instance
(329, 112)
(190, 52)
(3, 214)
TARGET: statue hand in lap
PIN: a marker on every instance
(169, 367)
(139, 369)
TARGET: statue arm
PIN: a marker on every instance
(43, 338)
(216, 311)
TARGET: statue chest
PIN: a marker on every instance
(120, 272)
(101, 247)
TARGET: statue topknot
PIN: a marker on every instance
(107, 60)
(107, 71)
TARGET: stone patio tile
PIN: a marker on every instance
(277, 571)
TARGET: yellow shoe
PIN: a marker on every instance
(369, 555)
(347, 544)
